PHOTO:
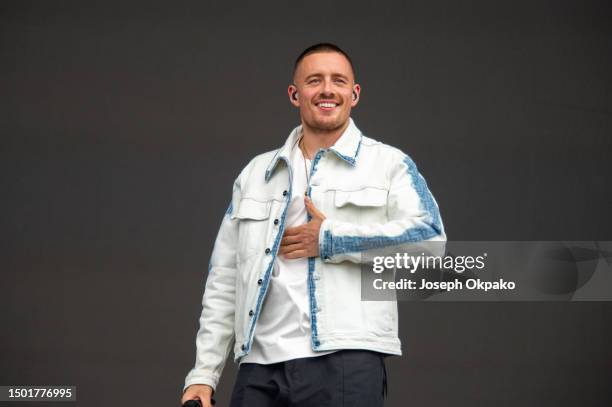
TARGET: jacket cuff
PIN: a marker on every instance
(326, 241)
(200, 377)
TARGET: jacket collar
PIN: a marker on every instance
(346, 147)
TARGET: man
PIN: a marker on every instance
(284, 280)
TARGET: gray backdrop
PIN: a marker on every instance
(123, 127)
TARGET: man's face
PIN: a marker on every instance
(325, 84)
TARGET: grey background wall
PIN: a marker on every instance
(123, 127)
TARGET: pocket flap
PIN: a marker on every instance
(252, 209)
(367, 196)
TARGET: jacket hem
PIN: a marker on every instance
(390, 346)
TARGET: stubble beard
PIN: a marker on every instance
(319, 127)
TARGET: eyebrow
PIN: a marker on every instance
(334, 75)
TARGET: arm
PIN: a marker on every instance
(413, 217)
(216, 334)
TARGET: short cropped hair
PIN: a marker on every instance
(322, 47)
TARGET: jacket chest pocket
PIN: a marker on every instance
(253, 217)
(367, 204)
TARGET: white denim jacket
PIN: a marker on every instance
(372, 196)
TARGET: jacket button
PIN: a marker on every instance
(251, 313)
(268, 250)
(259, 282)
(284, 193)
(243, 347)
(276, 221)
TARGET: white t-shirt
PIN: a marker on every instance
(283, 328)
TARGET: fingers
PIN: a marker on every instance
(200, 392)
(205, 401)
(302, 241)
(290, 243)
(290, 248)
(292, 230)
(312, 210)
(296, 254)
(291, 239)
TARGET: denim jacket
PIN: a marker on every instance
(372, 196)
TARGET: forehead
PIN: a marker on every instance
(324, 63)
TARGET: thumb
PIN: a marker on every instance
(312, 210)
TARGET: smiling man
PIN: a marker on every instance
(284, 285)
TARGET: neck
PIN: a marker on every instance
(315, 139)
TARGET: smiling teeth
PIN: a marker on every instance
(327, 104)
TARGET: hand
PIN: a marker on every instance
(303, 241)
(202, 392)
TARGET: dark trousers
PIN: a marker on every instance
(352, 378)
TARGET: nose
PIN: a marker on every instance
(327, 88)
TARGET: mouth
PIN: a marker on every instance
(327, 105)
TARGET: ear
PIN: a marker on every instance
(292, 91)
(356, 93)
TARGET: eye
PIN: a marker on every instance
(340, 80)
(313, 81)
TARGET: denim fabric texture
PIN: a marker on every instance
(372, 196)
